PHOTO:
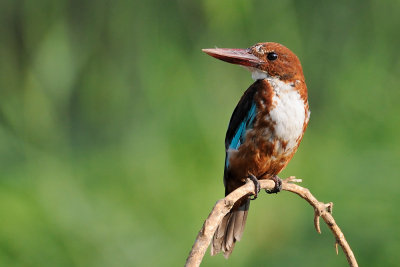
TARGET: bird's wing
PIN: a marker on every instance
(242, 119)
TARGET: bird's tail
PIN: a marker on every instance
(230, 230)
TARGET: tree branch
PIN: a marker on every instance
(223, 206)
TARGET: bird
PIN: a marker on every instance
(264, 131)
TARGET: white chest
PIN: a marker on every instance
(288, 114)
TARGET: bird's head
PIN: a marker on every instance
(264, 60)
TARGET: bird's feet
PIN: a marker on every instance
(278, 185)
(256, 185)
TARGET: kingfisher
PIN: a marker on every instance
(264, 131)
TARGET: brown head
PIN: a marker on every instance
(273, 59)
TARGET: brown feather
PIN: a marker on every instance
(230, 230)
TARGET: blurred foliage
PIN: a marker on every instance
(112, 125)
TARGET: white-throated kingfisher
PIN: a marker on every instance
(265, 129)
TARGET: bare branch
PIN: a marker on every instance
(223, 206)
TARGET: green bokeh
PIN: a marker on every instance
(112, 125)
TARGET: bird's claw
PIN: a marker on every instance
(278, 185)
(256, 185)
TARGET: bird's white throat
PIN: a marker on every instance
(257, 74)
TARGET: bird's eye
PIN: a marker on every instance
(272, 56)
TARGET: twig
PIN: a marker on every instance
(223, 206)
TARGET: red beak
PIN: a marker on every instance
(235, 56)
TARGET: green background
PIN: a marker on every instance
(112, 126)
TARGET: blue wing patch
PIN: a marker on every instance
(240, 134)
(247, 123)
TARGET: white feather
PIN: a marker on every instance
(288, 113)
